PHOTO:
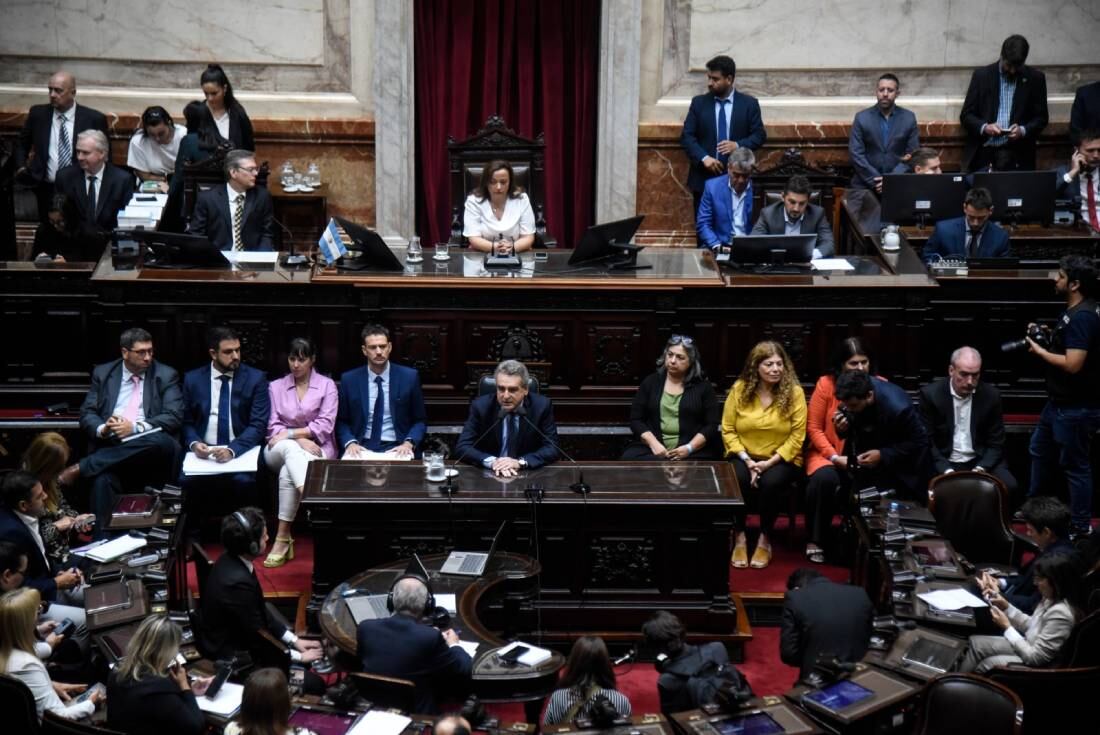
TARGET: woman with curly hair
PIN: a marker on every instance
(763, 427)
(45, 458)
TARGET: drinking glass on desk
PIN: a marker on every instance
(442, 251)
(415, 253)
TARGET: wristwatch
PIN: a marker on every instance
(523, 463)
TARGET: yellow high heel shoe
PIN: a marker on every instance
(274, 560)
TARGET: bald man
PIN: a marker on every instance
(964, 419)
(452, 725)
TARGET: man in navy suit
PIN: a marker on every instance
(96, 188)
(718, 123)
(510, 430)
(794, 215)
(381, 404)
(239, 215)
(401, 646)
(225, 411)
(1080, 181)
(1085, 113)
(882, 135)
(725, 211)
(970, 236)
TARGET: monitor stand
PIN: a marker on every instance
(627, 258)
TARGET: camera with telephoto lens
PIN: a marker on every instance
(1038, 333)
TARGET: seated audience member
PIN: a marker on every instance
(233, 608)
(18, 614)
(970, 236)
(265, 706)
(225, 411)
(763, 427)
(45, 458)
(1047, 523)
(885, 440)
(155, 146)
(231, 120)
(725, 211)
(239, 215)
(97, 188)
(149, 692)
(675, 413)
(498, 214)
(925, 161)
(1085, 113)
(823, 621)
(63, 238)
(13, 571)
(964, 420)
(1080, 180)
(511, 430)
(796, 216)
(881, 137)
(1031, 639)
(678, 661)
(381, 404)
(303, 416)
(131, 416)
(452, 725)
(403, 647)
(588, 676)
(826, 463)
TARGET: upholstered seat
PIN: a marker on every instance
(971, 511)
(964, 703)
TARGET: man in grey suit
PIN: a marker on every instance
(131, 414)
(796, 216)
(882, 136)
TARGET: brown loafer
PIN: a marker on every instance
(762, 557)
(740, 557)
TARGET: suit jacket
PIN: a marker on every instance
(987, 430)
(115, 190)
(35, 135)
(714, 221)
(406, 403)
(1029, 109)
(402, 647)
(948, 240)
(700, 413)
(213, 219)
(153, 704)
(823, 617)
(234, 612)
(700, 134)
(1042, 633)
(161, 399)
(1085, 113)
(484, 413)
(39, 570)
(892, 425)
(250, 407)
(814, 222)
(240, 129)
(869, 155)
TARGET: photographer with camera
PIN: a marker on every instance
(1072, 412)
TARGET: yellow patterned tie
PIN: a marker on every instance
(238, 218)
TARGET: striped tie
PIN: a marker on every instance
(238, 217)
(64, 145)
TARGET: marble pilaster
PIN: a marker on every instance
(395, 113)
(617, 128)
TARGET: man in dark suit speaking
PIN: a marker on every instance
(510, 430)
(964, 419)
(823, 620)
(239, 215)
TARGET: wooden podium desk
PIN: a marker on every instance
(649, 536)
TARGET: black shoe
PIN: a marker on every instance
(1018, 517)
(1079, 534)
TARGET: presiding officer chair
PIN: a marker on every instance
(961, 704)
(203, 175)
(971, 511)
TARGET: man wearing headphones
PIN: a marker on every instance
(233, 610)
(403, 647)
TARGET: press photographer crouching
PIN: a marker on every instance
(1072, 412)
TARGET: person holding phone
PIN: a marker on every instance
(1080, 180)
(45, 458)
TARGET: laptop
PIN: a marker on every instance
(932, 655)
(471, 563)
(373, 607)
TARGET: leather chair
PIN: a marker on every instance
(385, 692)
(1082, 648)
(971, 511)
(55, 725)
(1055, 700)
(488, 384)
(496, 141)
(17, 704)
(825, 182)
(961, 704)
(202, 563)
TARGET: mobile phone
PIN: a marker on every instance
(219, 678)
(86, 695)
(512, 656)
(67, 626)
(180, 660)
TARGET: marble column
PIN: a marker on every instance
(617, 131)
(394, 116)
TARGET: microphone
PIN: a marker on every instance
(628, 656)
(450, 487)
(580, 486)
(292, 258)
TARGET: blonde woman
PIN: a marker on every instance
(763, 427)
(45, 458)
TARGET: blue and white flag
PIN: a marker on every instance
(332, 247)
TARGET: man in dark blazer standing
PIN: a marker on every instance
(964, 420)
(511, 430)
(971, 236)
(381, 404)
(795, 215)
(718, 123)
(1085, 113)
(96, 188)
(1004, 112)
(882, 135)
(239, 215)
(823, 619)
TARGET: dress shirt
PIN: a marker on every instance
(962, 444)
(884, 126)
(70, 123)
(1083, 182)
(719, 108)
(211, 436)
(316, 411)
(1004, 110)
(388, 434)
(124, 391)
(222, 124)
(479, 220)
(794, 227)
(737, 207)
(32, 525)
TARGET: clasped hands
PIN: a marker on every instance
(304, 442)
(505, 467)
(205, 451)
(673, 455)
(1015, 132)
(118, 427)
(355, 451)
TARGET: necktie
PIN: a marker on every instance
(223, 411)
(723, 130)
(513, 430)
(64, 145)
(91, 198)
(238, 217)
(374, 443)
(132, 405)
(1094, 222)
(973, 241)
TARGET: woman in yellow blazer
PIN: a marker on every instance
(763, 427)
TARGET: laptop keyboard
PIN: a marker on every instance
(471, 563)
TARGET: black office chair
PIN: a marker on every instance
(385, 692)
(56, 725)
(488, 385)
(1055, 700)
(17, 704)
(971, 511)
(960, 704)
(1082, 648)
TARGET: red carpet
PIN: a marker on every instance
(788, 554)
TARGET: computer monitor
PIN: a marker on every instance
(175, 249)
(610, 243)
(375, 254)
(1021, 196)
(769, 250)
(922, 198)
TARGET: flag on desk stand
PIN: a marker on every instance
(332, 247)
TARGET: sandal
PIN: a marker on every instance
(274, 560)
(761, 557)
(740, 557)
(816, 555)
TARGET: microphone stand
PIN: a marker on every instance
(580, 486)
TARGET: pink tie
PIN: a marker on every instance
(130, 414)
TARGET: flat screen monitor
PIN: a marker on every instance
(836, 697)
(609, 242)
(754, 723)
(922, 198)
(1020, 196)
(375, 254)
(772, 249)
(175, 249)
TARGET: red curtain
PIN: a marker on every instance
(533, 62)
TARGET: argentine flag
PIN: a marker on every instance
(332, 247)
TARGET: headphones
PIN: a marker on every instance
(250, 534)
(429, 604)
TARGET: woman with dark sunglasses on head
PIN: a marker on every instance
(675, 413)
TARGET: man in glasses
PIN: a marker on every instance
(239, 215)
(154, 146)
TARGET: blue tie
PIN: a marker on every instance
(223, 411)
(723, 131)
(375, 441)
(513, 430)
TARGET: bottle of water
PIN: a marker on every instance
(893, 519)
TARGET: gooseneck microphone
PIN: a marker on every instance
(449, 486)
(580, 486)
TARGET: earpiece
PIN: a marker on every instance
(429, 604)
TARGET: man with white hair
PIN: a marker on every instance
(96, 188)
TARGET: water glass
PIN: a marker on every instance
(415, 253)
(442, 251)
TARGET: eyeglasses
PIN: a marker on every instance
(680, 339)
(249, 169)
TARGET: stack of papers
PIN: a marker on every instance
(379, 722)
(225, 703)
(247, 462)
(251, 257)
(952, 599)
(831, 264)
(111, 550)
(470, 647)
(533, 657)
